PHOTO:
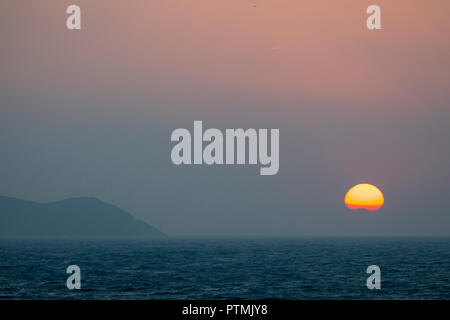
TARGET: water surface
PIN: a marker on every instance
(220, 268)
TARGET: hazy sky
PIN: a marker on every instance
(90, 112)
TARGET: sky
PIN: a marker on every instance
(90, 112)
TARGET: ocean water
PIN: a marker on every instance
(220, 268)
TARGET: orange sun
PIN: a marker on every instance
(364, 196)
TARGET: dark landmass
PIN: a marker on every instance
(71, 218)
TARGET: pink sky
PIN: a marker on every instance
(90, 112)
(277, 49)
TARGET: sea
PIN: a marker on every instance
(226, 268)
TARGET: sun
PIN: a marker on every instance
(364, 196)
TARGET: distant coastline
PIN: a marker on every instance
(77, 218)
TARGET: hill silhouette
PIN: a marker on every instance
(74, 217)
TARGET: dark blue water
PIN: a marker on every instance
(187, 268)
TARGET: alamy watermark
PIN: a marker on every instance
(241, 146)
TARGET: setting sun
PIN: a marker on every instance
(364, 196)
